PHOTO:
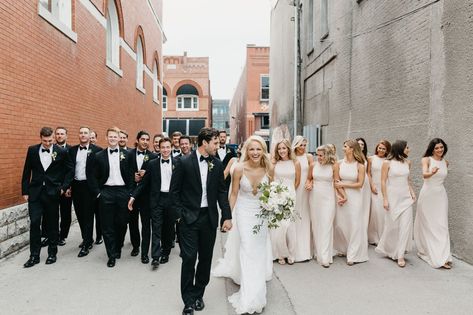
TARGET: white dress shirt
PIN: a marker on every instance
(45, 157)
(166, 174)
(81, 161)
(204, 171)
(139, 159)
(222, 153)
(174, 154)
(114, 175)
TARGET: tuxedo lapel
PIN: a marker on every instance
(122, 162)
(195, 164)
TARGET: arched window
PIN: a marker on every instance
(139, 64)
(59, 14)
(155, 81)
(165, 99)
(113, 38)
(187, 98)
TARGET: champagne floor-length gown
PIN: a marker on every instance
(431, 233)
(377, 213)
(253, 264)
(322, 212)
(349, 224)
(366, 193)
(283, 238)
(396, 239)
(302, 224)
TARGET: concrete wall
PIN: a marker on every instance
(397, 70)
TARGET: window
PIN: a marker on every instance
(265, 87)
(59, 14)
(139, 65)
(155, 82)
(187, 98)
(265, 122)
(310, 27)
(324, 19)
(113, 38)
(165, 99)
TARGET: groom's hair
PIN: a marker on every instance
(206, 134)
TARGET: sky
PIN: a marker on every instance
(220, 30)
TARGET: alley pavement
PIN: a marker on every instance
(86, 286)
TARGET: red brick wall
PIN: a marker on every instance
(46, 79)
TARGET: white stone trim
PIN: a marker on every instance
(128, 49)
(54, 21)
(114, 68)
(95, 12)
(157, 20)
(141, 89)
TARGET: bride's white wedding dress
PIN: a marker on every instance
(248, 257)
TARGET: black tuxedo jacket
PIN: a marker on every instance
(56, 177)
(133, 168)
(230, 153)
(98, 170)
(152, 182)
(93, 149)
(186, 190)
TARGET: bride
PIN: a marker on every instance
(248, 258)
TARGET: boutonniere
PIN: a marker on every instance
(173, 167)
(228, 151)
(211, 165)
(122, 156)
(146, 158)
(54, 155)
(89, 152)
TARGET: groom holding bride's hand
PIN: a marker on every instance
(197, 185)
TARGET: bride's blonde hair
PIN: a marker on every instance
(264, 157)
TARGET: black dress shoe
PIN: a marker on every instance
(188, 310)
(145, 259)
(83, 252)
(163, 259)
(61, 242)
(31, 262)
(51, 259)
(45, 242)
(111, 262)
(99, 241)
(135, 252)
(199, 304)
(155, 264)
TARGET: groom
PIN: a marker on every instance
(197, 185)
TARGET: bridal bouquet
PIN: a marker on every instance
(276, 204)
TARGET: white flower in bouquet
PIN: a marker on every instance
(276, 204)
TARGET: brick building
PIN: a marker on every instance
(187, 102)
(71, 63)
(249, 111)
(385, 69)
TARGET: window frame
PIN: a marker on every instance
(180, 100)
(50, 10)
(324, 25)
(140, 66)
(266, 88)
(113, 39)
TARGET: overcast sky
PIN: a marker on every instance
(219, 29)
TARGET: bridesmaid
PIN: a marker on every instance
(377, 213)
(349, 236)
(322, 203)
(398, 198)
(431, 224)
(302, 225)
(365, 190)
(288, 171)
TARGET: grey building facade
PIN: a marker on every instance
(221, 115)
(389, 69)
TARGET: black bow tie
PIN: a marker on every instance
(140, 152)
(165, 161)
(203, 158)
(222, 147)
(113, 151)
(82, 148)
(176, 151)
(45, 150)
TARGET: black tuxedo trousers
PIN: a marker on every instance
(140, 211)
(198, 237)
(113, 203)
(45, 207)
(84, 208)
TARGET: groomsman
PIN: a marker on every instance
(156, 139)
(138, 160)
(185, 145)
(82, 196)
(47, 174)
(65, 205)
(123, 140)
(157, 180)
(112, 186)
(98, 227)
(176, 150)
